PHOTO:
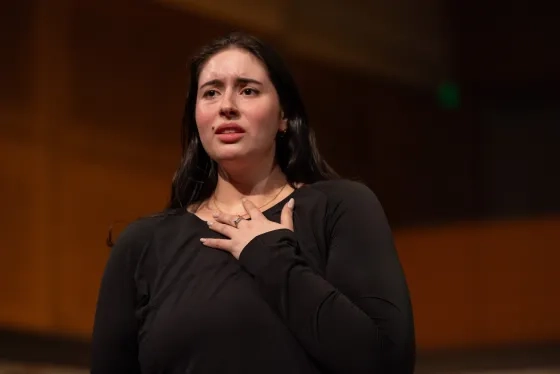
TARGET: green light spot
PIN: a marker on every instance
(449, 96)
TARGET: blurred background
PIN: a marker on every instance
(448, 110)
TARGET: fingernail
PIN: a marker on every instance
(202, 240)
(291, 203)
(244, 199)
(215, 214)
(209, 223)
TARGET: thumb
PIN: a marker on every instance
(286, 217)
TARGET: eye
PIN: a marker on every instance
(250, 91)
(210, 93)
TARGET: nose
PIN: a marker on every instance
(228, 108)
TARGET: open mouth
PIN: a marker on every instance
(230, 133)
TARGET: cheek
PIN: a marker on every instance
(266, 117)
(204, 118)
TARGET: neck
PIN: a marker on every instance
(257, 180)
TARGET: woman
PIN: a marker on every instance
(264, 261)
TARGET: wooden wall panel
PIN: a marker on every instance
(118, 143)
(269, 16)
(16, 69)
(520, 278)
(511, 46)
(403, 41)
(441, 269)
(16, 38)
(488, 283)
(25, 258)
(94, 194)
(25, 284)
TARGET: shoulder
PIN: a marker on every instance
(350, 201)
(138, 233)
(345, 191)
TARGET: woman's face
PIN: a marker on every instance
(238, 112)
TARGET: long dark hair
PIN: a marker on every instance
(296, 150)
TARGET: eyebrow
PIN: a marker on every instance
(238, 82)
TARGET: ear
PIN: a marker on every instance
(283, 123)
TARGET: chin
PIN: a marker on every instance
(235, 152)
(229, 155)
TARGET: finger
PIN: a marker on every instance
(228, 219)
(287, 215)
(223, 244)
(252, 209)
(222, 228)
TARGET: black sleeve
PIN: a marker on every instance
(114, 342)
(358, 318)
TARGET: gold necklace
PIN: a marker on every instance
(259, 207)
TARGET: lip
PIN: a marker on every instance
(229, 126)
(230, 138)
(234, 136)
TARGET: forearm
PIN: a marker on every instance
(341, 336)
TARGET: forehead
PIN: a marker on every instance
(232, 63)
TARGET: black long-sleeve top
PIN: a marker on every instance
(329, 297)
